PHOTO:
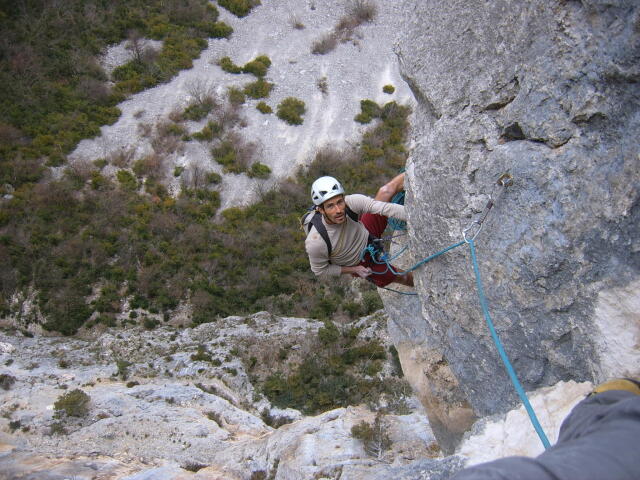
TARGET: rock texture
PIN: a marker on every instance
(160, 410)
(547, 92)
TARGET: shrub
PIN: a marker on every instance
(100, 163)
(236, 96)
(123, 368)
(213, 178)
(177, 171)
(235, 154)
(228, 66)
(325, 45)
(329, 333)
(6, 381)
(325, 380)
(371, 302)
(224, 154)
(363, 11)
(193, 466)
(258, 66)
(291, 110)
(258, 89)
(127, 180)
(209, 132)
(150, 323)
(74, 404)
(323, 85)
(259, 170)
(202, 355)
(374, 437)
(264, 108)
(368, 111)
(198, 110)
(240, 8)
(389, 89)
(219, 30)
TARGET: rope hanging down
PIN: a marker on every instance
(469, 234)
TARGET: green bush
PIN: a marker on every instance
(213, 178)
(258, 89)
(329, 333)
(236, 96)
(218, 30)
(73, 404)
(198, 110)
(291, 110)
(228, 66)
(258, 66)
(209, 132)
(150, 323)
(374, 437)
(259, 170)
(240, 8)
(225, 154)
(368, 111)
(127, 180)
(389, 89)
(264, 108)
(6, 381)
(327, 379)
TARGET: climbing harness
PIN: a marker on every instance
(469, 234)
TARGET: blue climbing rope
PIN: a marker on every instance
(384, 260)
(485, 310)
(394, 223)
(503, 354)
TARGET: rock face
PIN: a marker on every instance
(548, 92)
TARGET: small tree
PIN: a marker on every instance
(74, 404)
(291, 110)
(374, 437)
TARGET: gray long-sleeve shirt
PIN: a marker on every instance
(348, 239)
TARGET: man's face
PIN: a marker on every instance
(334, 209)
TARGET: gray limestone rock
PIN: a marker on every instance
(547, 92)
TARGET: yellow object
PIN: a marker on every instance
(618, 384)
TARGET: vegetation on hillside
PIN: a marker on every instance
(240, 8)
(345, 370)
(54, 93)
(86, 243)
(359, 12)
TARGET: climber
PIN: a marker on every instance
(336, 237)
(597, 441)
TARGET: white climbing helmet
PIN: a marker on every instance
(325, 188)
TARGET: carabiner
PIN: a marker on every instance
(469, 228)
